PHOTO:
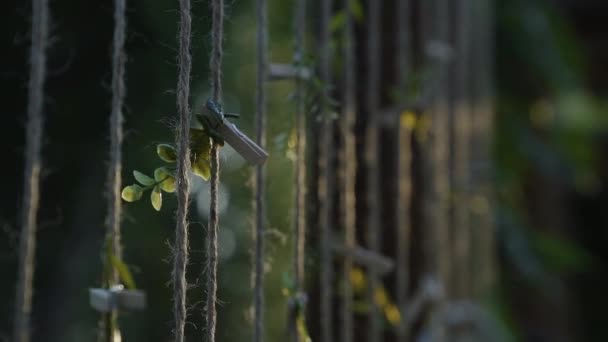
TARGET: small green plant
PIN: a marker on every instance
(164, 176)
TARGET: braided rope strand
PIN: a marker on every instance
(31, 186)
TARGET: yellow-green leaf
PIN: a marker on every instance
(165, 178)
(123, 271)
(143, 179)
(132, 193)
(166, 152)
(200, 143)
(202, 168)
(156, 197)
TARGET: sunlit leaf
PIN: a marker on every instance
(202, 168)
(132, 193)
(302, 329)
(142, 178)
(356, 9)
(358, 279)
(337, 22)
(165, 178)
(166, 152)
(408, 120)
(123, 271)
(200, 143)
(392, 314)
(156, 197)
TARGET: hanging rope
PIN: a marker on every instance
(31, 182)
(300, 161)
(215, 66)
(180, 260)
(404, 155)
(260, 173)
(325, 180)
(373, 173)
(348, 164)
(296, 305)
(109, 321)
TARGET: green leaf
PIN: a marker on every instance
(202, 168)
(165, 178)
(132, 193)
(142, 178)
(357, 10)
(123, 271)
(200, 143)
(166, 152)
(337, 22)
(156, 197)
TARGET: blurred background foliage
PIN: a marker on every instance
(550, 167)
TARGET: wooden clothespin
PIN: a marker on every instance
(365, 257)
(221, 130)
(278, 71)
(117, 298)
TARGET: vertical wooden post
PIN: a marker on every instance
(374, 198)
(326, 186)
(404, 155)
(348, 167)
(462, 120)
(483, 121)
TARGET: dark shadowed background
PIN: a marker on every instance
(551, 167)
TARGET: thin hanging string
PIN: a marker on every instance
(116, 131)
(215, 66)
(109, 321)
(300, 170)
(348, 164)
(299, 223)
(404, 163)
(325, 179)
(31, 182)
(180, 258)
(260, 173)
(373, 172)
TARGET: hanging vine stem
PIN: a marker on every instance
(371, 157)
(215, 66)
(260, 171)
(109, 330)
(180, 259)
(325, 185)
(31, 185)
(348, 163)
(404, 155)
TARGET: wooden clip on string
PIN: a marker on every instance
(117, 298)
(221, 129)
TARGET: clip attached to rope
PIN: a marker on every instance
(117, 298)
(220, 129)
(277, 71)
